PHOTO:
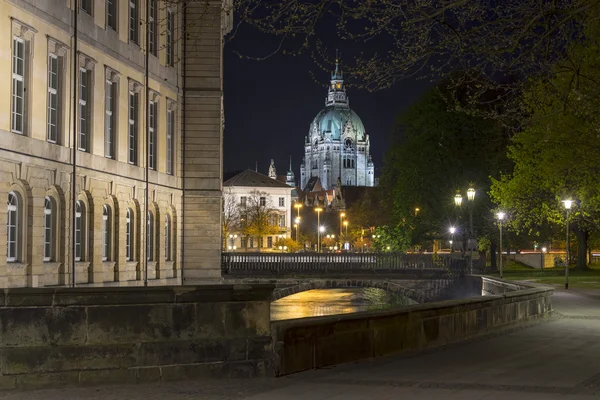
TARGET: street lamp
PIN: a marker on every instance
(417, 209)
(452, 232)
(458, 199)
(346, 225)
(298, 206)
(318, 210)
(568, 204)
(500, 215)
(342, 215)
(471, 194)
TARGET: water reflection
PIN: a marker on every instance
(319, 302)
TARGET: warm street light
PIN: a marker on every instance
(342, 215)
(298, 206)
(346, 225)
(544, 249)
(458, 199)
(417, 209)
(568, 204)
(471, 194)
(500, 215)
(318, 210)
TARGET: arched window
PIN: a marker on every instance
(129, 235)
(79, 231)
(149, 236)
(106, 223)
(48, 230)
(12, 228)
(167, 238)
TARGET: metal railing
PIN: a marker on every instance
(250, 264)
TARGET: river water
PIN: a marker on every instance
(319, 302)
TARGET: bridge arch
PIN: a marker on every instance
(304, 286)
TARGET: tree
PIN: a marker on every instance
(495, 45)
(555, 155)
(258, 215)
(289, 244)
(395, 239)
(438, 151)
(231, 215)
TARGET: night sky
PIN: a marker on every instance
(270, 104)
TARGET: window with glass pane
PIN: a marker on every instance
(79, 234)
(152, 23)
(169, 37)
(133, 21)
(18, 86)
(133, 116)
(106, 233)
(84, 114)
(152, 135)
(149, 236)
(48, 244)
(282, 202)
(128, 235)
(111, 14)
(263, 201)
(86, 6)
(110, 119)
(53, 98)
(12, 228)
(167, 238)
(170, 126)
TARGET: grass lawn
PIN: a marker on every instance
(588, 279)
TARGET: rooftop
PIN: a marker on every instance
(251, 178)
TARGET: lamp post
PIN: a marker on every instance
(500, 215)
(568, 204)
(452, 232)
(342, 215)
(320, 230)
(346, 226)
(458, 202)
(318, 210)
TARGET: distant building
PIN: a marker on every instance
(242, 188)
(337, 148)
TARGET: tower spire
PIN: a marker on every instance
(336, 95)
(290, 163)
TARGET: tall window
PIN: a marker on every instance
(110, 122)
(106, 223)
(152, 135)
(169, 36)
(12, 228)
(53, 98)
(282, 202)
(263, 201)
(79, 231)
(84, 109)
(243, 201)
(48, 227)
(170, 126)
(133, 118)
(149, 236)
(167, 238)
(129, 235)
(111, 14)
(282, 221)
(134, 21)
(86, 6)
(152, 23)
(18, 86)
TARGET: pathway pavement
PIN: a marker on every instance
(559, 359)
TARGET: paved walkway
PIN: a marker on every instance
(559, 359)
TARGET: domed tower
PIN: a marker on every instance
(337, 135)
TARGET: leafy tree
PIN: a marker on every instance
(437, 152)
(395, 239)
(291, 244)
(555, 156)
(258, 216)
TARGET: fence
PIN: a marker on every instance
(317, 263)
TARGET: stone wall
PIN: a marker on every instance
(58, 337)
(310, 343)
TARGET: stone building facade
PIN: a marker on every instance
(146, 168)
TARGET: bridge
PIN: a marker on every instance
(420, 277)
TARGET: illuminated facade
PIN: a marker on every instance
(147, 196)
(337, 148)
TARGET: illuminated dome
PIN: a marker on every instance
(333, 121)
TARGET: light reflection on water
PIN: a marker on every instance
(313, 303)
